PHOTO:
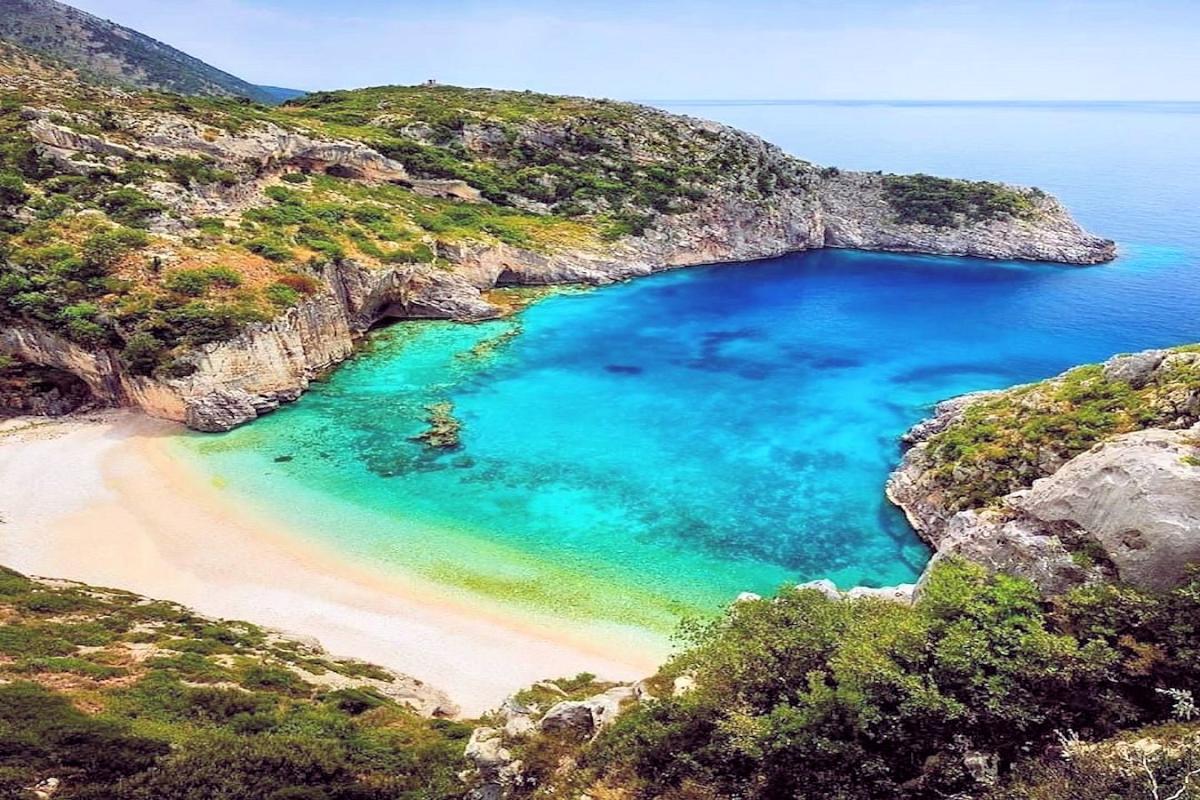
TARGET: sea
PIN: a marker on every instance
(639, 454)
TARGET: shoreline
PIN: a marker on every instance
(99, 499)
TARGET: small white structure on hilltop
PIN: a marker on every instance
(430, 82)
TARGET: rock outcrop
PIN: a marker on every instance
(855, 214)
(1127, 509)
(716, 194)
(493, 750)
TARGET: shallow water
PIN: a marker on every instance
(649, 450)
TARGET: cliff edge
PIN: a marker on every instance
(203, 259)
(1091, 475)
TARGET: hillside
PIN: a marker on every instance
(115, 54)
(204, 258)
(106, 694)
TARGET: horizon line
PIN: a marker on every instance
(908, 100)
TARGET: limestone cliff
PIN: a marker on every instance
(204, 260)
(1115, 495)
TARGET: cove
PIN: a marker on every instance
(638, 453)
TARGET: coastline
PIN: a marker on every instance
(101, 500)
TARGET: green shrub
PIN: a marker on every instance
(282, 295)
(130, 207)
(196, 282)
(12, 189)
(943, 202)
(276, 679)
(142, 353)
(186, 170)
(41, 730)
(191, 282)
(804, 696)
(271, 249)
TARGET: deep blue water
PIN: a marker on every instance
(649, 449)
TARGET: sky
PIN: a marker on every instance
(699, 49)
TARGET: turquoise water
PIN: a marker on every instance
(648, 450)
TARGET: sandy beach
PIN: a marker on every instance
(101, 500)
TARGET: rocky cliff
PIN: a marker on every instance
(1092, 475)
(204, 260)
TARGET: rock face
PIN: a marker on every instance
(40, 391)
(1127, 509)
(770, 204)
(1138, 495)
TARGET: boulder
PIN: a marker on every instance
(220, 410)
(1136, 369)
(587, 717)
(1137, 496)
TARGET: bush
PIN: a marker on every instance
(196, 282)
(271, 249)
(12, 189)
(188, 281)
(186, 170)
(282, 295)
(943, 203)
(130, 207)
(142, 353)
(103, 250)
(805, 696)
(39, 730)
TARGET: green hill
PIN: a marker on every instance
(113, 53)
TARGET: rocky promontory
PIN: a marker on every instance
(204, 259)
(1091, 475)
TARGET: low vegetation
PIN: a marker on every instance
(949, 203)
(803, 696)
(616, 163)
(123, 698)
(1007, 441)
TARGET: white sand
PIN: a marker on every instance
(102, 501)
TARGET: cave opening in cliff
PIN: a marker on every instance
(32, 389)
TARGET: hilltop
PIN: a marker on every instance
(112, 53)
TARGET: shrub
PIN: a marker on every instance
(196, 282)
(804, 696)
(39, 730)
(12, 189)
(271, 249)
(282, 295)
(130, 207)
(102, 250)
(186, 170)
(417, 254)
(142, 353)
(191, 282)
(942, 202)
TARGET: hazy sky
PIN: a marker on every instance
(865, 49)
